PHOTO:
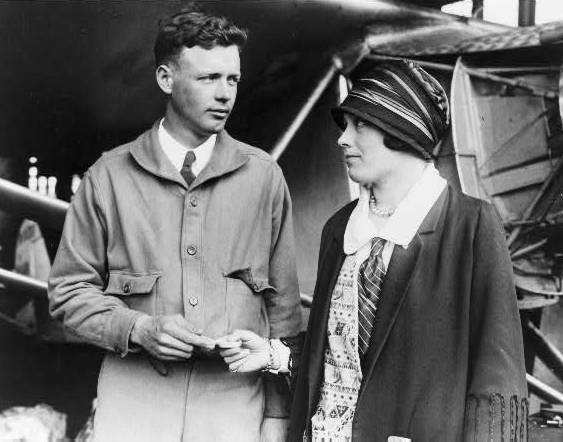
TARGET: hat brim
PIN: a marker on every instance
(338, 116)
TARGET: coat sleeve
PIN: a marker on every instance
(283, 305)
(496, 402)
(79, 275)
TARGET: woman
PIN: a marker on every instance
(414, 331)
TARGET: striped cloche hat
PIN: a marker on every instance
(402, 100)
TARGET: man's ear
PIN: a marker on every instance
(164, 78)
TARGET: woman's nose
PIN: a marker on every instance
(344, 138)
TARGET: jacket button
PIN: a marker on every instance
(192, 250)
(193, 201)
(193, 301)
(126, 287)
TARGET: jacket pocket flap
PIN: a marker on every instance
(262, 285)
(257, 285)
(125, 284)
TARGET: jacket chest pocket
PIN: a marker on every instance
(137, 291)
(246, 303)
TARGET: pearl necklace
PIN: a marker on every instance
(381, 211)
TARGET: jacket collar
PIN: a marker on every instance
(401, 227)
(340, 224)
(227, 156)
(430, 222)
(428, 225)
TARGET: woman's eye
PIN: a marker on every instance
(360, 123)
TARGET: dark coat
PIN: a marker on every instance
(447, 344)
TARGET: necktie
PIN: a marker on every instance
(186, 170)
(370, 281)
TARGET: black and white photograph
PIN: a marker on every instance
(281, 220)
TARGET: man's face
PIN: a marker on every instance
(204, 87)
(369, 161)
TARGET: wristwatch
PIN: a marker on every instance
(273, 365)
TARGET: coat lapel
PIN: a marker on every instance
(330, 263)
(150, 156)
(226, 157)
(402, 267)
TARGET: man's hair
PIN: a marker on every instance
(190, 28)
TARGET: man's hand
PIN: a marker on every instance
(244, 351)
(169, 338)
(274, 429)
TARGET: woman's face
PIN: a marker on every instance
(369, 161)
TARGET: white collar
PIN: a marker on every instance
(176, 151)
(401, 227)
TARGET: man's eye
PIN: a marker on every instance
(233, 81)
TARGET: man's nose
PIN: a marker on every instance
(224, 91)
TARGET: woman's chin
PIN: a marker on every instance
(357, 179)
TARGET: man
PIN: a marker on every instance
(173, 241)
(414, 331)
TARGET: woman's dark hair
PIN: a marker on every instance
(190, 28)
(395, 143)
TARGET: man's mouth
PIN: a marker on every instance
(219, 113)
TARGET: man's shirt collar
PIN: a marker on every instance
(176, 151)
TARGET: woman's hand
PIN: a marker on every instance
(244, 351)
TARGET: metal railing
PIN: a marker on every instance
(20, 201)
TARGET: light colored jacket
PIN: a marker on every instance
(138, 240)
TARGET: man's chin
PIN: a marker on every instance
(215, 128)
